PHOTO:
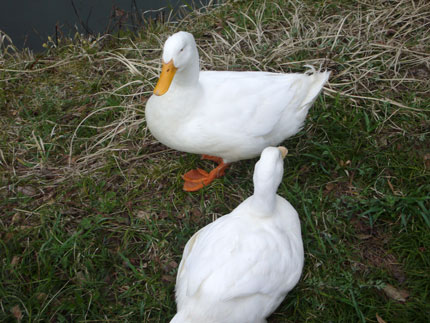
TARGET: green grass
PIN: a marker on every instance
(93, 219)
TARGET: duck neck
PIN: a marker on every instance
(264, 200)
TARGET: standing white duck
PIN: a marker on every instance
(230, 115)
(240, 267)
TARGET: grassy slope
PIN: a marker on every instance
(93, 219)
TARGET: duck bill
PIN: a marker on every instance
(284, 151)
(168, 71)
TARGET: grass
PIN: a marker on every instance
(92, 215)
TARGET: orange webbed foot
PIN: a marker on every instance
(195, 175)
(192, 187)
(196, 179)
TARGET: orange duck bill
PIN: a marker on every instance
(168, 71)
(196, 179)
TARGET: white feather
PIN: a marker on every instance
(232, 115)
(240, 267)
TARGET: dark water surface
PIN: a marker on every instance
(30, 22)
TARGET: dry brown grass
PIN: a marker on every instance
(377, 51)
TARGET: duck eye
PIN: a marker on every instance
(182, 49)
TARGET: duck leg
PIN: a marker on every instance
(198, 178)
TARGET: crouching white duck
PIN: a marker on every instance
(227, 116)
(240, 267)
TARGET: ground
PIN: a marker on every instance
(93, 219)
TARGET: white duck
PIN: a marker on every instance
(240, 267)
(230, 115)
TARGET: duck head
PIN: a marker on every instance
(268, 172)
(180, 62)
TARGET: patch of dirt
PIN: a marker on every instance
(339, 189)
(421, 72)
(341, 186)
(372, 249)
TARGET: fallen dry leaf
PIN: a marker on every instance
(383, 141)
(168, 278)
(8, 236)
(41, 297)
(124, 288)
(427, 161)
(173, 264)
(399, 295)
(329, 187)
(15, 261)
(16, 312)
(73, 159)
(364, 236)
(163, 215)
(379, 319)
(168, 266)
(397, 193)
(16, 218)
(304, 169)
(196, 214)
(344, 163)
(80, 278)
(27, 190)
(391, 186)
(142, 215)
(25, 227)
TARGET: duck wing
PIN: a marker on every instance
(229, 259)
(254, 102)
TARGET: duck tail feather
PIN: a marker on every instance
(317, 81)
